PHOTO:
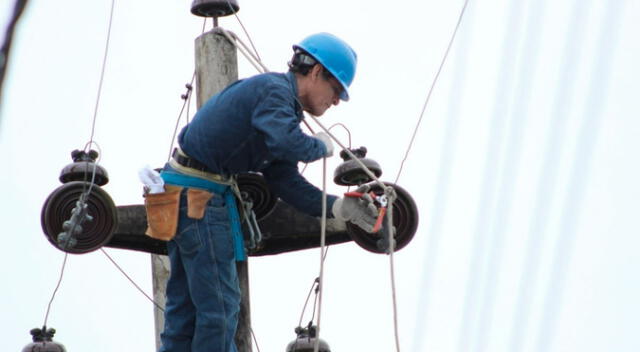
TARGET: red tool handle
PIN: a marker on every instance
(379, 220)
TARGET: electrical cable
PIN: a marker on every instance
(255, 340)
(392, 275)
(64, 264)
(5, 49)
(323, 235)
(187, 101)
(304, 308)
(131, 280)
(434, 233)
(253, 59)
(104, 64)
(433, 84)
(244, 29)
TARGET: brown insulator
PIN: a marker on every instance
(42, 341)
(83, 168)
(306, 341)
(350, 172)
(214, 8)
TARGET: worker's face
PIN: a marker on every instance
(324, 92)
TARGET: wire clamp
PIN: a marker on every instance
(73, 227)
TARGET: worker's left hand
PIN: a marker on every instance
(324, 138)
(357, 210)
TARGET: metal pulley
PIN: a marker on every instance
(405, 223)
(214, 8)
(306, 340)
(350, 173)
(43, 341)
(79, 216)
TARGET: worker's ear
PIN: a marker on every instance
(316, 71)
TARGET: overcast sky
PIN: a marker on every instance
(525, 170)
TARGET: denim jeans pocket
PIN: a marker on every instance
(218, 229)
(188, 237)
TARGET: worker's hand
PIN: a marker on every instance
(324, 138)
(358, 210)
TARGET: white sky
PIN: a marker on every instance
(525, 170)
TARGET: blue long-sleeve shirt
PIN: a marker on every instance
(254, 125)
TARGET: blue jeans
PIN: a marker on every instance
(203, 294)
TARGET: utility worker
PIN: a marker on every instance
(251, 125)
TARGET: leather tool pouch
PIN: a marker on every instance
(197, 202)
(162, 213)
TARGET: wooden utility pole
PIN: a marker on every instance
(216, 68)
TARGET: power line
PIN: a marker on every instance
(5, 50)
(64, 264)
(433, 84)
(104, 64)
(441, 190)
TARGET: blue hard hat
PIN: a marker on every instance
(335, 55)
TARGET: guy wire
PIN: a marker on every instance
(131, 280)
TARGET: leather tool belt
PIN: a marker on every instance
(184, 164)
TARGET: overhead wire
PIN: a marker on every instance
(439, 201)
(235, 13)
(5, 49)
(374, 178)
(86, 191)
(433, 84)
(102, 71)
(186, 97)
(64, 263)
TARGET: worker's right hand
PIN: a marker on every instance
(326, 140)
(358, 210)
